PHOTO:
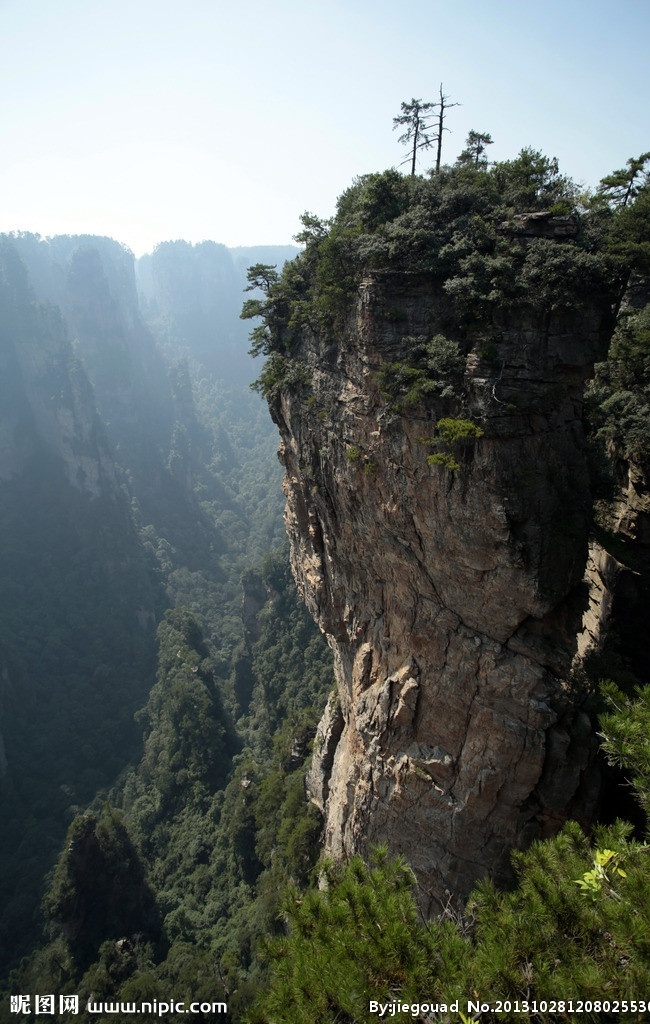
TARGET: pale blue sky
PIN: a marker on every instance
(155, 119)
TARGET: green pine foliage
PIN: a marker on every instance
(449, 225)
(452, 436)
(575, 927)
(550, 937)
(434, 367)
(619, 396)
(626, 735)
(354, 937)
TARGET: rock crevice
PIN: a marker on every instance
(452, 599)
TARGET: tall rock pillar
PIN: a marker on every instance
(451, 597)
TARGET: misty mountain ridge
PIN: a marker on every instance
(138, 473)
(181, 287)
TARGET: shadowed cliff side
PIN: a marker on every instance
(451, 598)
(438, 506)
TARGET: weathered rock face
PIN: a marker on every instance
(453, 601)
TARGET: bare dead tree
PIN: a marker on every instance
(442, 106)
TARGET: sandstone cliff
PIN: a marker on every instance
(453, 599)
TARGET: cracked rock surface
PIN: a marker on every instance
(453, 600)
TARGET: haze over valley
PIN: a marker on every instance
(324, 515)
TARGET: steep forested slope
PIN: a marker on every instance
(77, 597)
(130, 484)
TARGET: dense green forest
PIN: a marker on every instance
(161, 681)
(147, 484)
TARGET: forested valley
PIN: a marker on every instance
(160, 680)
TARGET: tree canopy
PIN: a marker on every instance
(450, 225)
(574, 930)
(417, 120)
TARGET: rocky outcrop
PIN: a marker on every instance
(99, 889)
(541, 225)
(453, 599)
(48, 406)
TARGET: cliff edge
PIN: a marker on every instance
(426, 371)
(452, 599)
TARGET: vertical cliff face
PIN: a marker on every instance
(453, 598)
(92, 281)
(48, 407)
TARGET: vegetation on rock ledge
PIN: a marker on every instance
(574, 929)
(458, 227)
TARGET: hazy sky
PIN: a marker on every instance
(150, 120)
